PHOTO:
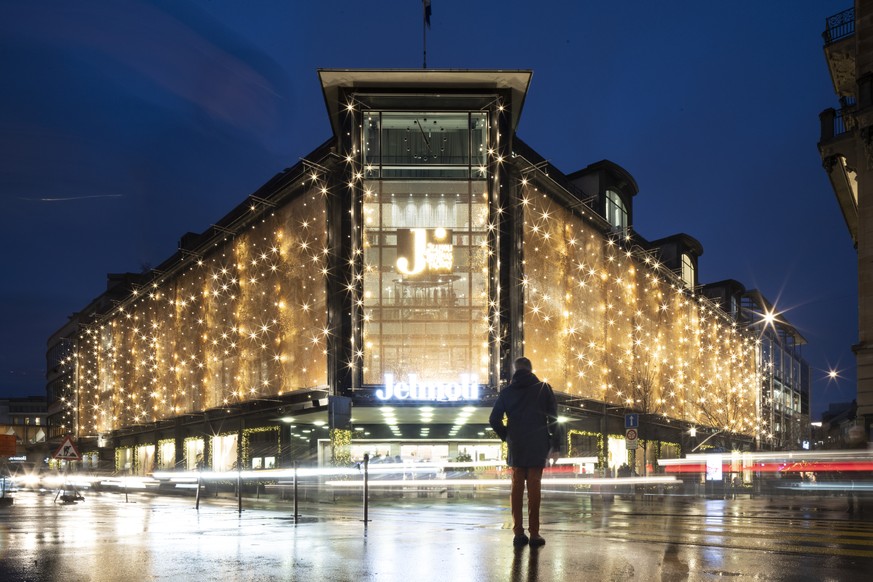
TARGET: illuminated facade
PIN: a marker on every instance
(401, 268)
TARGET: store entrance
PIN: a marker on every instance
(381, 451)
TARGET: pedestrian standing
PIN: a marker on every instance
(531, 438)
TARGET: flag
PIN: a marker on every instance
(426, 4)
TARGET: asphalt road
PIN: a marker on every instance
(410, 539)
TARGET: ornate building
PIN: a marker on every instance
(845, 147)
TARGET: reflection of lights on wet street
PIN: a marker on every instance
(428, 539)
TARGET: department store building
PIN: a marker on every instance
(371, 299)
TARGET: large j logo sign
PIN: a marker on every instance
(424, 249)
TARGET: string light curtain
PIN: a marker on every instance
(245, 321)
(606, 322)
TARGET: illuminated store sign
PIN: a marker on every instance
(424, 250)
(466, 389)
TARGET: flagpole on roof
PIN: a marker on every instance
(425, 4)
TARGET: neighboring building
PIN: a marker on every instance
(26, 419)
(838, 427)
(401, 267)
(785, 381)
(845, 147)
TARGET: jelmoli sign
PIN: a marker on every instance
(414, 389)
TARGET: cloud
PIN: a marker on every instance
(185, 54)
(69, 198)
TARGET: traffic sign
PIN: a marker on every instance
(67, 451)
(631, 438)
(632, 420)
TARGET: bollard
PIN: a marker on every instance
(296, 515)
(197, 495)
(239, 488)
(366, 492)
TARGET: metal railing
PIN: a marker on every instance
(833, 123)
(839, 123)
(839, 26)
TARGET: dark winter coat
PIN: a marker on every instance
(531, 427)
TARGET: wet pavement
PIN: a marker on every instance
(151, 537)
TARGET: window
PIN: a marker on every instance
(425, 144)
(616, 213)
(167, 454)
(425, 279)
(224, 451)
(145, 459)
(194, 454)
(687, 270)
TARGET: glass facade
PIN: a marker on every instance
(782, 392)
(425, 144)
(425, 217)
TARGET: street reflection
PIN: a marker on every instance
(666, 537)
(525, 564)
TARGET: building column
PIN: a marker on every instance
(864, 348)
(179, 436)
(207, 443)
(343, 207)
(506, 293)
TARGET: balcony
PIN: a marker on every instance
(838, 149)
(840, 49)
(839, 26)
(833, 124)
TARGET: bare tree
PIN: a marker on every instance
(642, 392)
(725, 404)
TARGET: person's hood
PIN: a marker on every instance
(523, 379)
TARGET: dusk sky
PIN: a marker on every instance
(125, 124)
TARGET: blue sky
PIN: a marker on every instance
(126, 123)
